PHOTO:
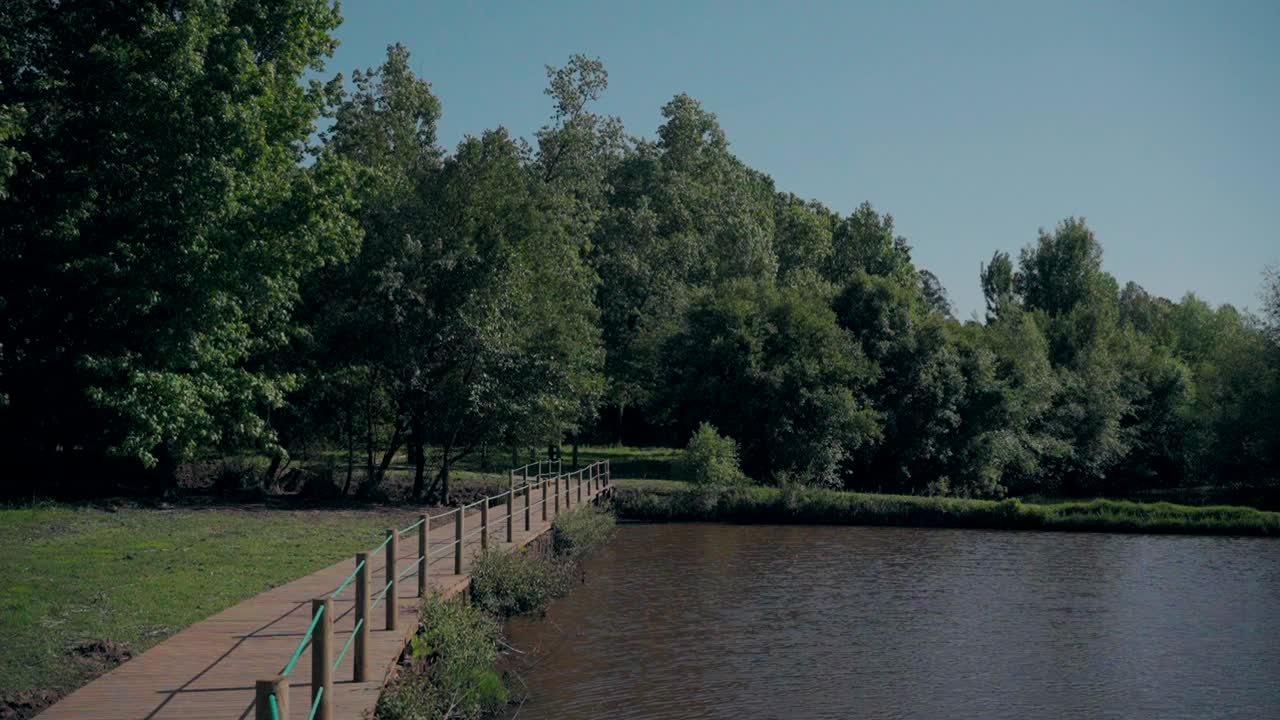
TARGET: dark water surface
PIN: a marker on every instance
(724, 621)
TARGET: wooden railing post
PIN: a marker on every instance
(322, 658)
(391, 599)
(579, 487)
(424, 545)
(263, 690)
(557, 494)
(511, 502)
(484, 524)
(568, 490)
(361, 644)
(528, 496)
(544, 499)
(457, 541)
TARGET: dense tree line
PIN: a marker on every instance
(203, 254)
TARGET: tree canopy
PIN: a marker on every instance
(205, 251)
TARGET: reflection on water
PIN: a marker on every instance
(725, 621)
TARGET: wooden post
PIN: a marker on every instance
(511, 501)
(579, 487)
(457, 542)
(424, 535)
(544, 499)
(484, 524)
(557, 494)
(361, 643)
(263, 690)
(322, 658)
(568, 490)
(393, 549)
(528, 500)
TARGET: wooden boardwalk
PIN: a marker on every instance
(209, 670)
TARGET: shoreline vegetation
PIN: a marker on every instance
(671, 501)
(451, 669)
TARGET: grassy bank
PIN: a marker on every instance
(451, 669)
(77, 577)
(676, 501)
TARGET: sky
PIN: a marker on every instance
(974, 124)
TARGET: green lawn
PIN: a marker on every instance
(73, 575)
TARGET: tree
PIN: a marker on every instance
(1062, 270)
(866, 242)
(159, 221)
(1271, 303)
(774, 371)
(997, 283)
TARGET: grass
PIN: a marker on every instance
(450, 671)
(506, 584)
(582, 533)
(673, 501)
(73, 575)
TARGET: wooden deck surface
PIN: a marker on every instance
(209, 669)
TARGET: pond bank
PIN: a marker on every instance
(680, 502)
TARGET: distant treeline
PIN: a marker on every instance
(203, 254)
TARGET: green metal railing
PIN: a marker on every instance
(541, 475)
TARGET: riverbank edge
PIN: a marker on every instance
(566, 541)
(679, 502)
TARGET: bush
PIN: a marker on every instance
(451, 673)
(505, 584)
(711, 458)
(579, 534)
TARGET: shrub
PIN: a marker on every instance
(711, 458)
(579, 534)
(505, 584)
(451, 667)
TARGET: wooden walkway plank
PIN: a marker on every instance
(209, 670)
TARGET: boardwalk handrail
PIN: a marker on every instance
(270, 706)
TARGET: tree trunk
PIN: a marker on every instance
(444, 477)
(446, 460)
(351, 449)
(397, 437)
(269, 479)
(368, 436)
(419, 465)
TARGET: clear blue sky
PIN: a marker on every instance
(974, 124)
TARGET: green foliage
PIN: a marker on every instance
(798, 504)
(505, 584)
(752, 351)
(583, 532)
(712, 459)
(158, 219)
(451, 673)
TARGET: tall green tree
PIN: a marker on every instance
(159, 221)
(365, 315)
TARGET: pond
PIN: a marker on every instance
(735, 621)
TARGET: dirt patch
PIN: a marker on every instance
(25, 704)
(102, 655)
